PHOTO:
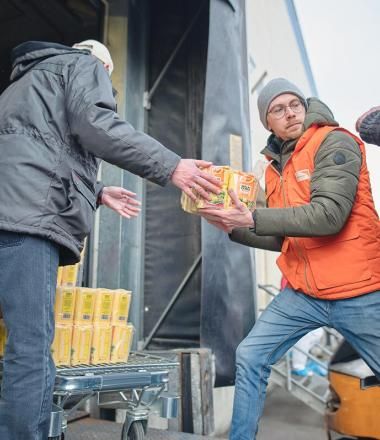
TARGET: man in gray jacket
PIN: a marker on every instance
(321, 216)
(57, 121)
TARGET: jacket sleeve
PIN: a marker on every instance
(91, 112)
(370, 128)
(248, 238)
(333, 189)
(98, 192)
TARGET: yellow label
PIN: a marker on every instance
(103, 305)
(101, 344)
(84, 305)
(121, 305)
(122, 337)
(61, 347)
(64, 305)
(69, 275)
(81, 344)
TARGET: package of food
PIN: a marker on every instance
(246, 187)
(70, 275)
(120, 308)
(84, 305)
(3, 337)
(122, 337)
(59, 276)
(64, 305)
(101, 344)
(61, 347)
(103, 305)
(218, 201)
(81, 344)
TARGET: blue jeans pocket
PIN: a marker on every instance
(9, 239)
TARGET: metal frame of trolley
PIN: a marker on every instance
(137, 386)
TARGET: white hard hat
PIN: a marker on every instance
(99, 51)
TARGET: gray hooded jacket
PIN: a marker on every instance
(57, 121)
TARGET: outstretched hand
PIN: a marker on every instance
(239, 216)
(121, 201)
(192, 180)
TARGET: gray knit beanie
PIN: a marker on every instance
(276, 87)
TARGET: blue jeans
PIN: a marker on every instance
(28, 272)
(289, 317)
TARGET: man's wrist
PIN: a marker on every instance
(99, 200)
(253, 227)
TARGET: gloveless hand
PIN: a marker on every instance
(192, 180)
(121, 201)
(237, 217)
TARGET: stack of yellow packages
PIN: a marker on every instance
(92, 326)
(245, 185)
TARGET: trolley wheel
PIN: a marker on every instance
(135, 432)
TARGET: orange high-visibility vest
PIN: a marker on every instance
(330, 267)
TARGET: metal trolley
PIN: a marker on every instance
(136, 386)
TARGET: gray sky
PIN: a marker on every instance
(342, 39)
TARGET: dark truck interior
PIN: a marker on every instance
(60, 21)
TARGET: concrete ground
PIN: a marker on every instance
(287, 418)
(284, 418)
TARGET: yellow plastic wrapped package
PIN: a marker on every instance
(70, 275)
(59, 276)
(84, 306)
(64, 305)
(121, 304)
(103, 306)
(218, 201)
(122, 337)
(101, 344)
(61, 347)
(81, 344)
(246, 187)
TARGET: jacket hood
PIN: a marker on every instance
(26, 55)
(317, 113)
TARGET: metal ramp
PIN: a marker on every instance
(312, 390)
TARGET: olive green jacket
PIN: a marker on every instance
(333, 188)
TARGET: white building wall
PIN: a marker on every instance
(273, 51)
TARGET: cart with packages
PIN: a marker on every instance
(138, 386)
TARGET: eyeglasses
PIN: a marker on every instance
(278, 111)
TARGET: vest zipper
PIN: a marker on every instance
(298, 248)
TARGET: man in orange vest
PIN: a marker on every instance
(321, 216)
